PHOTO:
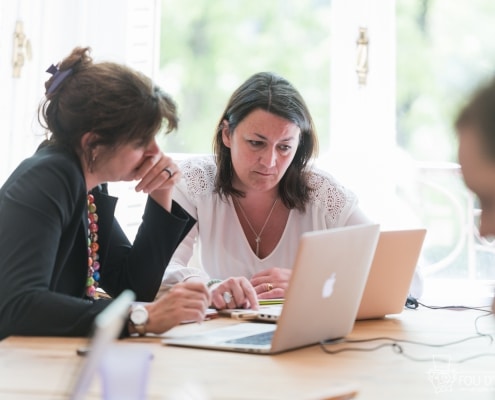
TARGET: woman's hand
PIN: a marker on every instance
(234, 293)
(185, 301)
(159, 174)
(271, 283)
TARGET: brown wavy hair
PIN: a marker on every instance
(118, 103)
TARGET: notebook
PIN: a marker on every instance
(391, 273)
(107, 327)
(328, 278)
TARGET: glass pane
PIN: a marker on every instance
(444, 49)
(208, 48)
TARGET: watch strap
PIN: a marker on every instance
(140, 329)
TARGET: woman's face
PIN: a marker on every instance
(123, 163)
(479, 175)
(262, 147)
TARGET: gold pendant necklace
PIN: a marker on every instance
(257, 236)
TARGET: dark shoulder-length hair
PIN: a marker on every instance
(272, 93)
(112, 100)
(479, 113)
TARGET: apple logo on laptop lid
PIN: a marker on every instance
(328, 286)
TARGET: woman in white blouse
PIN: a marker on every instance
(255, 197)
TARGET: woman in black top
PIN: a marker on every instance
(59, 240)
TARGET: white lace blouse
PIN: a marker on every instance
(223, 249)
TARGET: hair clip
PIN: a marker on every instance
(58, 77)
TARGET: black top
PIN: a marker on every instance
(44, 251)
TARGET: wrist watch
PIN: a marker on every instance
(139, 319)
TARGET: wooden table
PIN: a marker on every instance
(43, 368)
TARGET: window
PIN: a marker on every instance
(444, 51)
(208, 48)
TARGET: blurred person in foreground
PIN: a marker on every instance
(475, 126)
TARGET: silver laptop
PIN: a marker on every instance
(107, 327)
(321, 303)
(391, 273)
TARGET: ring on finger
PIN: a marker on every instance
(269, 287)
(168, 171)
(227, 297)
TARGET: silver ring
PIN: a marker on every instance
(168, 171)
(227, 297)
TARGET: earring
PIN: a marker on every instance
(91, 161)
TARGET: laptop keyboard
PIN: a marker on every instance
(259, 338)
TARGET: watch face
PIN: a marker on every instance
(139, 316)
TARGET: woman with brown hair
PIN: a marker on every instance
(59, 240)
(256, 196)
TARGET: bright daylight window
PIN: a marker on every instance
(444, 50)
(208, 48)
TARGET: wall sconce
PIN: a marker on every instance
(22, 49)
(362, 56)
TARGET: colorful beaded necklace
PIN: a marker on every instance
(93, 257)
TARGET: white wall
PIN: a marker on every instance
(117, 30)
